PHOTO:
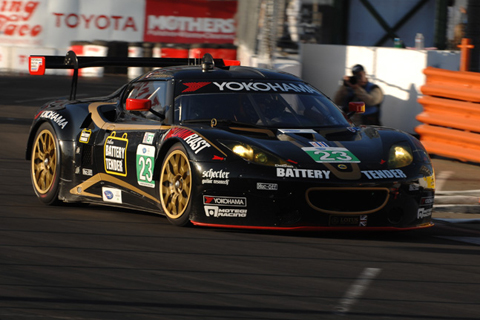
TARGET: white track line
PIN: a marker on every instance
(441, 178)
(356, 290)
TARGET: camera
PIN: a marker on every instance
(352, 80)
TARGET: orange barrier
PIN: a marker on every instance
(451, 114)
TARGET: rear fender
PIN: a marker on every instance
(65, 124)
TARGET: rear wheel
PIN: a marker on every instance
(176, 186)
(45, 165)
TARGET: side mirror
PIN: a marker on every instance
(138, 104)
(356, 107)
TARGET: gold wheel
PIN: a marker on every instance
(176, 186)
(44, 161)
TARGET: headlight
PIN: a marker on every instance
(254, 154)
(400, 155)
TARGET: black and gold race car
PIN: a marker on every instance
(217, 144)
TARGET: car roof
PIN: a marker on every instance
(226, 73)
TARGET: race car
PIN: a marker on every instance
(213, 143)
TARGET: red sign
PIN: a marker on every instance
(190, 21)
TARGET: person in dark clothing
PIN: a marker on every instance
(358, 88)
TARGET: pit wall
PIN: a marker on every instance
(399, 72)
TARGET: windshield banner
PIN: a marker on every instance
(244, 86)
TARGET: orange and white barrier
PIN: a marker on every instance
(451, 114)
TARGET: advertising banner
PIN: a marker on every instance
(55, 23)
(88, 20)
(22, 22)
(190, 21)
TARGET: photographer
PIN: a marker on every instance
(358, 88)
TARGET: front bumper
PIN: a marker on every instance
(255, 199)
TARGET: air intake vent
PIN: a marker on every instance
(347, 200)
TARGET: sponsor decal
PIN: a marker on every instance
(263, 86)
(194, 141)
(427, 182)
(424, 212)
(111, 195)
(413, 187)
(145, 164)
(115, 154)
(302, 173)
(427, 201)
(215, 177)
(277, 165)
(267, 186)
(148, 137)
(384, 174)
(331, 155)
(363, 220)
(194, 86)
(344, 221)
(217, 212)
(215, 157)
(297, 131)
(55, 117)
(225, 201)
(211, 174)
(87, 172)
(319, 144)
(85, 135)
(36, 65)
(210, 181)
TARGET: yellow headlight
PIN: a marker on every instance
(243, 151)
(400, 156)
(254, 154)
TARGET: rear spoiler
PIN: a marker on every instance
(38, 64)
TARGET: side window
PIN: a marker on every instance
(155, 91)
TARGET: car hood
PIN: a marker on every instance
(367, 147)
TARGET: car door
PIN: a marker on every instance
(126, 150)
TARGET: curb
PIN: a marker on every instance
(465, 201)
(457, 208)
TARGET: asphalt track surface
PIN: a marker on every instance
(97, 262)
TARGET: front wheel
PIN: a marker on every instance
(45, 165)
(176, 186)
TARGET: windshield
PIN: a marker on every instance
(281, 110)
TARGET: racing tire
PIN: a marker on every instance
(45, 165)
(176, 186)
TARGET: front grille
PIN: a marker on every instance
(347, 200)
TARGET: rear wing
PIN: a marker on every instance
(38, 64)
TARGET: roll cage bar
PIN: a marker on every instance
(38, 64)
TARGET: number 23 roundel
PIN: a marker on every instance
(145, 164)
(331, 154)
